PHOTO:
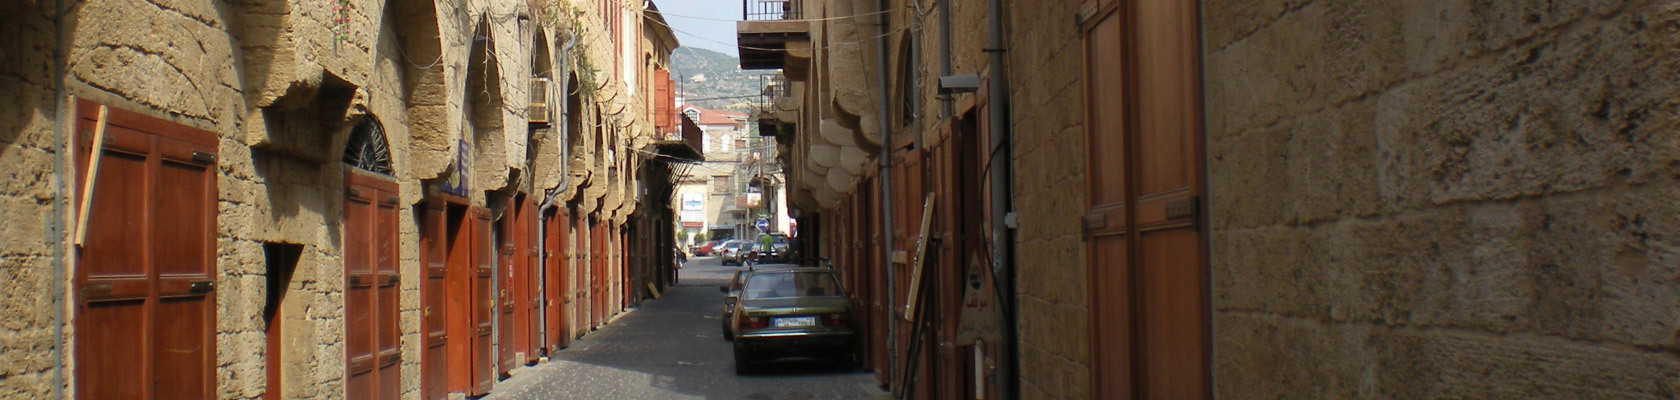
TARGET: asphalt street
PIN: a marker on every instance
(673, 348)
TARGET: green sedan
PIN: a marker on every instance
(795, 312)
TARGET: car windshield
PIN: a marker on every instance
(731, 245)
(777, 285)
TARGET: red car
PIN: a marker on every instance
(704, 249)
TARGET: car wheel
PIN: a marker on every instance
(727, 335)
(743, 364)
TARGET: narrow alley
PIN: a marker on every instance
(671, 348)
(941, 199)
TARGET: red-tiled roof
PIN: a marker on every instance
(716, 117)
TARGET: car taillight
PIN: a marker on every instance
(754, 323)
(834, 320)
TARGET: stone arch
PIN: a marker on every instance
(368, 149)
(425, 96)
(483, 111)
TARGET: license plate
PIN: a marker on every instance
(795, 322)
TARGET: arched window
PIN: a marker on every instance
(367, 148)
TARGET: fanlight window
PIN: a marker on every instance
(367, 148)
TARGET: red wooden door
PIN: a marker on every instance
(373, 355)
(459, 320)
(555, 292)
(580, 277)
(436, 229)
(530, 282)
(597, 273)
(507, 291)
(146, 312)
(1145, 183)
(483, 303)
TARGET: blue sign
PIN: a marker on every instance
(455, 181)
(763, 226)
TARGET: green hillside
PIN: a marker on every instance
(706, 74)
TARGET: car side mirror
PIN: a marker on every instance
(724, 289)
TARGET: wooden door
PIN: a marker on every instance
(436, 229)
(483, 303)
(555, 292)
(459, 297)
(146, 309)
(530, 283)
(579, 307)
(373, 355)
(507, 307)
(597, 273)
(1144, 188)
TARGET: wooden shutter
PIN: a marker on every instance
(557, 278)
(146, 272)
(506, 289)
(1144, 188)
(483, 305)
(371, 287)
(434, 361)
(663, 98)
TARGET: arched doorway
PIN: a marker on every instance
(371, 275)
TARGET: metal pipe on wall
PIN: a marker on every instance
(883, 119)
(1002, 215)
(565, 178)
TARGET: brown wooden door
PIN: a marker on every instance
(507, 292)
(579, 306)
(146, 276)
(530, 281)
(373, 354)
(483, 303)
(435, 230)
(556, 278)
(1144, 188)
(597, 273)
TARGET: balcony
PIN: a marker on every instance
(773, 34)
(776, 87)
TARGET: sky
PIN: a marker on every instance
(703, 33)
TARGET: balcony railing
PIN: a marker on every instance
(771, 10)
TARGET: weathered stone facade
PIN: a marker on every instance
(1405, 200)
(1447, 199)
(281, 84)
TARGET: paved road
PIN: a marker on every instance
(673, 348)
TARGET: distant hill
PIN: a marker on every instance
(706, 74)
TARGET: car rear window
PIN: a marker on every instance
(775, 285)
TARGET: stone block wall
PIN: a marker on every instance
(1045, 62)
(1447, 199)
(256, 72)
(30, 225)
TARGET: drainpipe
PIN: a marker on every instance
(886, 183)
(565, 175)
(55, 222)
(1003, 216)
(945, 55)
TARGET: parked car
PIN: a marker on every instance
(731, 252)
(732, 293)
(792, 312)
(703, 249)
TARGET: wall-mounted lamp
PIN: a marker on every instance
(958, 84)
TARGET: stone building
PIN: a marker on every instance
(1244, 199)
(344, 199)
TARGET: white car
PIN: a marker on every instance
(732, 252)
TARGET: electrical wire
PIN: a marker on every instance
(792, 20)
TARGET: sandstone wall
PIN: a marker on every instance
(31, 228)
(258, 72)
(1047, 93)
(1446, 199)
